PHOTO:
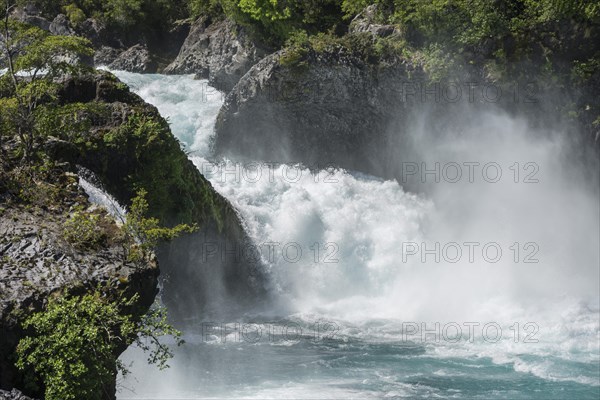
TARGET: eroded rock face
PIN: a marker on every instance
(221, 51)
(198, 273)
(36, 261)
(135, 59)
(366, 21)
(61, 26)
(330, 108)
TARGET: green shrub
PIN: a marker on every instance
(84, 230)
(30, 49)
(353, 7)
(74, 344)
(297, 47)
(142, 234)
(33, 184)
(75, 14)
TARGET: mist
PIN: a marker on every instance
(376, 268)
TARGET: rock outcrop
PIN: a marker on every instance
(132, 52)
(135, 59)
(221, 52)
(199, 272)
(36, 261)
(366, 21)
(328, 108)
(338, 107)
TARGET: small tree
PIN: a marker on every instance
(74, 344)
(34, 59)
(142, 234)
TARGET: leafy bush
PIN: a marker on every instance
(275, 20)
(353, 7)
(74, 344)
(75, 14)
(85, 230)
(142, 234)
(362, 45)
(42, 58)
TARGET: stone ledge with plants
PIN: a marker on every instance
(77, 286)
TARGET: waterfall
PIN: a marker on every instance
(377, 262)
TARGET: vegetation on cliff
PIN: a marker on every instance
(74, 344)
(554, 36)
(73, 334)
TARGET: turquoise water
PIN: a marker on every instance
(348, 367)
(367, 303)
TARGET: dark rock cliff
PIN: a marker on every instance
(36, 262)
(336, 106)
(131, 51)
(330, 108)
(199, 271)
(221, 52)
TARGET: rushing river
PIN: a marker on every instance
(366, 310)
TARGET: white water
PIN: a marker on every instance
(99, 197)
(369, 291)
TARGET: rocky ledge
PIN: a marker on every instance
(321, 108)
(152, 158)
(38, 262)
(127, 145)
(221, 51)
(112, 49)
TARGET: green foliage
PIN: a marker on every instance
(586, 69)
(73, 345)
(274, 20)
(142, 233)
(34, 60)
(31, 184)
(353, 7)
(41, 51)
(268, 12)
(362, 45)
(175, 192)
(72, 121)
(551, 10)
(125, 14)
(85, 230)
(436, 61)
(75, 14)
(296, 49)
(211, 8)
